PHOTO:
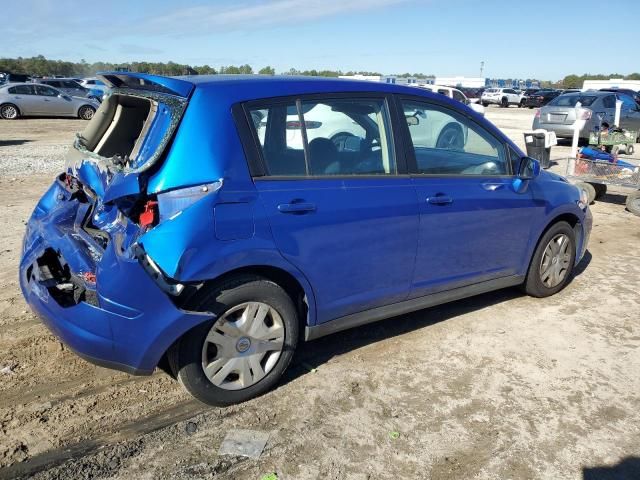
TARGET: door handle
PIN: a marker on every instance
(440, 200)
(296, 207)
(492, 187)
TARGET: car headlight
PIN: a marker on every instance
(584, 199)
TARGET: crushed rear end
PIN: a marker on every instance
(83, 269)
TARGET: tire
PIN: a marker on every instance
(86, 112)
(504, 103)
(204, 345)
(633, 203)
(630, 149)
(589, 189)
(553, 261)
(485, 104)
(600, 189)
(9, 111)
(451, 137)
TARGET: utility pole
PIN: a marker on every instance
(481, 68)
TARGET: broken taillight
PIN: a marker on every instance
(149, 216)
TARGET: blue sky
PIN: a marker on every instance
(391, 36)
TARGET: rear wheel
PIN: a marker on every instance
(633, 203)
(86, 112)
(630, 149)
(552, 262)
(244, 351)
(9, 111)
(485, 104)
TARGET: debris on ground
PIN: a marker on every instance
(246, 443)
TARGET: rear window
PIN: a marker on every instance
(130, 129)
(571, 100)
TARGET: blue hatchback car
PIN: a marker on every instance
(211, 224)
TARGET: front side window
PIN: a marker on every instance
(458, 96)
(324, 138)
(628, 104)
(447, 143)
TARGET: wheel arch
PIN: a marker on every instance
(13, 104)
(572, 219)
(302, 298)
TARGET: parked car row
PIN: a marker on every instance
(596, 107)
(34, 99)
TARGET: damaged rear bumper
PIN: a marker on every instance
(100, 303)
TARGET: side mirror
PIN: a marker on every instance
(529, 168)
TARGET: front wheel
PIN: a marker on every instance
(86, 112)
(247, 347)
(505, 102)
(553, 261)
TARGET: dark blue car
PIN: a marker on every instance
(209, 225)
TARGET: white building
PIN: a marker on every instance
(611, 83)
(389, 79)
(468, 82)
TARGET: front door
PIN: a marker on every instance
(338, 207)
(52, 102)
(473, 225)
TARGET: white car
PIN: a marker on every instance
(93, 83)
(455, 94)
(500, 96)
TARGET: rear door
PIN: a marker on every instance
(340, 205)
(25, 98)
(473, 225)
(630, 113)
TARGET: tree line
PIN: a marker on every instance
(41, 66)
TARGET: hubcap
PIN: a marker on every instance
(555, 262)
(9, 112)
(243, 346)
(87, 113)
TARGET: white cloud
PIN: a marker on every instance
(247, 16)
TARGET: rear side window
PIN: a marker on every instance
(53, 83)
(325, 137)
(22, 90)
(46, 91)
(609, 101)
(446, 143)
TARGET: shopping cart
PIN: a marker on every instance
(593, 176)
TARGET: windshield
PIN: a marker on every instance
(571, 100)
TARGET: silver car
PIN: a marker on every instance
(28, 99)
(69, 86)
(560, 114)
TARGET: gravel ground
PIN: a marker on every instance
(499, 386)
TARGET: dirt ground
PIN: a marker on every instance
(499, 386)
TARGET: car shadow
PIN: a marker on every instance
(323, 349)
(318, 352)
(582, 266)
(614, 198)
(626, 469)
(11, 143)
